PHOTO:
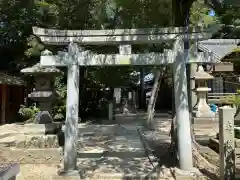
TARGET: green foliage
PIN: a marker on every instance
(199, 14)
(28, 113)
(18, 45)
(120, 76)
(34, 47)
(59, 108)
(234, 99)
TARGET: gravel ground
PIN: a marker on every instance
(49, 171)
(41, 172)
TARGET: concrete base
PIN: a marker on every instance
(209, 114)
(186, 174)
(206, 120)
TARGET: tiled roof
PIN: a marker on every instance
(218, 47)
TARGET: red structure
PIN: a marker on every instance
(12, 90)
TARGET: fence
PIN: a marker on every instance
(219, 98)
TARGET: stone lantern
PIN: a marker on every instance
(44, 92)
(202, 109)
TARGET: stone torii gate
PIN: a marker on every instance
(124, 38)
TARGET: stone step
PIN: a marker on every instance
(29, 129)
(33, 156)
(30, 141)
(85, 128)
(5, 134)
(214, 144)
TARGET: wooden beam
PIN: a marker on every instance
(3, 103)
(223, 67)
(115, 36)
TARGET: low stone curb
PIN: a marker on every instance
(9, 171)
(33, 156)
(31, 141)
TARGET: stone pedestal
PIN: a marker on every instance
(44, 92)
(202, 109)
(43, 117)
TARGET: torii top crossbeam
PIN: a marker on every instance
(121, 37)
(118, 36)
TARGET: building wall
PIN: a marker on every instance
(224, 85)
(14, 98)
(216, 85)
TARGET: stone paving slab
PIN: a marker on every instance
(116, 142)
(109, 165)
(117, 150)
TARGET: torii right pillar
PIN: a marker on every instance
(181, 107)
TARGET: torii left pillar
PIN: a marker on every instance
(72, 109)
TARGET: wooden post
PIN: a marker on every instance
(226, 143)
(181, 106)
(193, 96)
(117, 95)
(4, 102)
(110, 110)
(142, 96)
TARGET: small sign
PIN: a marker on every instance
(124, 60)
(212, 13)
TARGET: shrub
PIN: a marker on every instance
(28, 114)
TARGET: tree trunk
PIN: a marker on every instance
(154, 96)
(180, 11)
(142, 95)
